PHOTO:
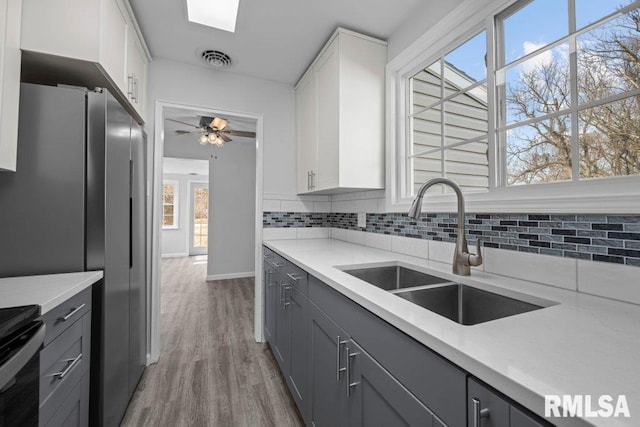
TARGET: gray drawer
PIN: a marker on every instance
(62, 364)
(295, 276)
(74, 410)
(436, 382)
(61, 317)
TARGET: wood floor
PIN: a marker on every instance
(211, 371)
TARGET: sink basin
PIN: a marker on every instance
(465, 304)
(394, 277)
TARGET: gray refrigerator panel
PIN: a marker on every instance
(106, 115)
(42, 204)
(137, 272)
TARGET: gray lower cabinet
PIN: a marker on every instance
(286, 323)
(64, 363)
(345, 366)
(327, 380)
(488, 408)
(375, 397)
(270, 302)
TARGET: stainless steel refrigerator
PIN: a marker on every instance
(77, 202)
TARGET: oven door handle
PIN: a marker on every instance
(12, 366)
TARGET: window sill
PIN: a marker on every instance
(607, 196)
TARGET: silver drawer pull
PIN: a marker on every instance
(73, 312)
(478, 413)
(278, 264)
(296, 278)
(266, 256)
(339, 343)
(74, 362)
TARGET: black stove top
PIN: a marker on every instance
(14, 318)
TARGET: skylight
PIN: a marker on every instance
(220, 14)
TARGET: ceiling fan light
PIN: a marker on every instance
(212, 138)
(218, 123)
(204, 140)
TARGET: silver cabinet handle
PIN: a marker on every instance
(278, 264)
(296, 278)
(308, 180)
(130, 86)
(339, 369)
(286, 301)
(266, 256)
(478, 413)
(269, 282)
(135, 84)
(281, 293)
(70, 366)
(73, 312)
(350, 384)
(313, 180)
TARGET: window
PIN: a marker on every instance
(169, 204)
(540, 92)
(448, 119)
(569, 106)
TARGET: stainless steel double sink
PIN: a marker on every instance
(464, 304)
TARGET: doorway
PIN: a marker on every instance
(199, 218)
(224, 178)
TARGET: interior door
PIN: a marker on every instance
(199, 218)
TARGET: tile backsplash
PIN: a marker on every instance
(607, 238)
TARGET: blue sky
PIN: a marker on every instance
(539, 23)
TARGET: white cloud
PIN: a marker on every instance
(537, 61)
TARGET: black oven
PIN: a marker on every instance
(21, 338)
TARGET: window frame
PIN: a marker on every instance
(612, 194)
(176, 208)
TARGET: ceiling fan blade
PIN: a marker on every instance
(218, 123)
(241, 133)
(187, 132)
(184, 123)
(224, 137)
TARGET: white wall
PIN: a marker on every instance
(175, 242)
(232, 190)
(192, 85)
(418, 23)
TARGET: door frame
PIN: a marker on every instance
(191, 185)
(153, 296)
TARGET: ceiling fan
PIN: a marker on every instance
(212, 130)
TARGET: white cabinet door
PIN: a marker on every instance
(327, 71)
(306, 131)
(10, 11)
(136, 71)
(113, 42)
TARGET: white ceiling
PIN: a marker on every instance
(274, 39)
(172, 165)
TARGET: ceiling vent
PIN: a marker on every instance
(215, 58)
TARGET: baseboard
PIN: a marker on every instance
(179, 255)
(230, 276)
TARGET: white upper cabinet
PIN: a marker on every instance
(63, 38)
(9, 81)
(340, 116)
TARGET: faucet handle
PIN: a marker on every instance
(475, 260)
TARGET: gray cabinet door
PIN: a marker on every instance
(520, 419)
(270, 303)
(376, 398)
(281, 347)
(327, 382)
(484, 403)
(296, 303)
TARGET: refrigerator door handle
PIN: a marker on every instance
(131, 172)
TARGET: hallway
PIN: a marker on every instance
(211, 372)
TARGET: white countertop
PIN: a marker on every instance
(584, 345)
(48, 290)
